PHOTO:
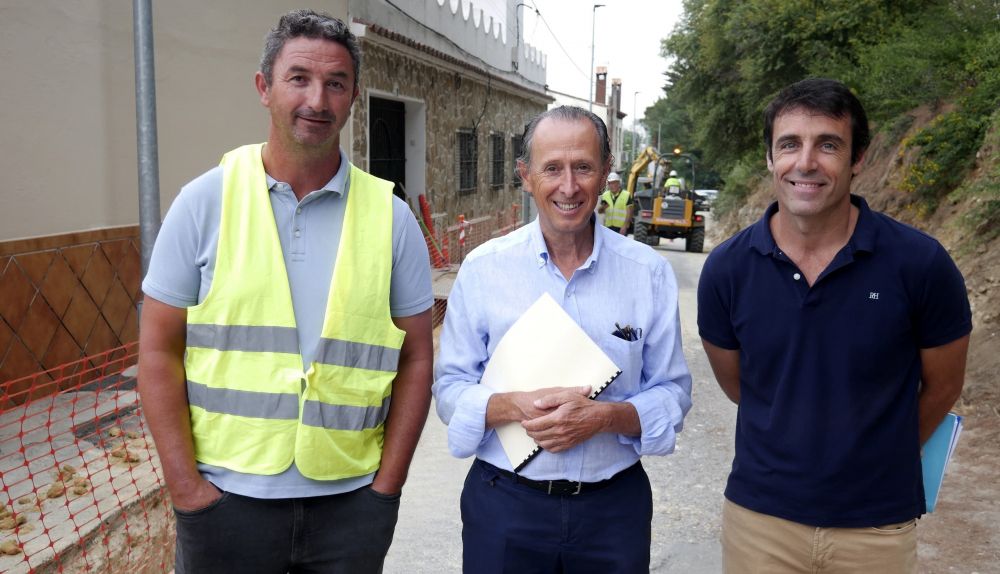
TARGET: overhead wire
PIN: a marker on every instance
(558, 43)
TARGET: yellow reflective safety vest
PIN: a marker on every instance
(672, 185)
(253, 409)
(614, 216)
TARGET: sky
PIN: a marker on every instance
(627, 41)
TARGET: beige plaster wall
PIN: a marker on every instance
(67, 105)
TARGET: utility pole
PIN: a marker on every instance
(635, 119)
(590, 84)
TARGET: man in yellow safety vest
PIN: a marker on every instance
(616, 205)
(673, 185)
(286, 381)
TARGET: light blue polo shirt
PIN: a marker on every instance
(183, 264)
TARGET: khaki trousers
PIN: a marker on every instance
(755, 543)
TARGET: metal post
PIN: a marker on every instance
(590, 85)
(145, 120)
(145, 126)
(635, 119)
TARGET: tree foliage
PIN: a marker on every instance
(729, 57)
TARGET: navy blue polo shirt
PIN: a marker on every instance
(826, 431)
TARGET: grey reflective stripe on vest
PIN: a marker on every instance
(343, 417)
(357, 355)
(243, 338)
(244, 403)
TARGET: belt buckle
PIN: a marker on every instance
(579, 488)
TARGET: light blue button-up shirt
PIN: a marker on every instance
(621, 282)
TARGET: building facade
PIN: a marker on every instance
(446, 90)
(454, 88)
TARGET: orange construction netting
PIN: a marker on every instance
(81, 488)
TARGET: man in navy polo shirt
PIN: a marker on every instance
(842, 336)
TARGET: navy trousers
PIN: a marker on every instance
(512, 528)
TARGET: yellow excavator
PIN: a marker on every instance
(660, 214)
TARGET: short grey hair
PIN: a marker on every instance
(567, 113)
(308, 24)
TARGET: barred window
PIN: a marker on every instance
(516, 149)
(497, 164)
(467, 159)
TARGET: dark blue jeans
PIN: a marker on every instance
(512, 528)
(348, 533)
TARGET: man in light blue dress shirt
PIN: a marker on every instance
(584, 503)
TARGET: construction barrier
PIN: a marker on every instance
(448, 244)
(81, 488)
(467, 234)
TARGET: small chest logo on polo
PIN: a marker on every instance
(873, 295)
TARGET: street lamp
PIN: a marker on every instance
(635, 118)
(590, 82)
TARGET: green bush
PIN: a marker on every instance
(981, 223)
(741, 180)
(914, 65)
(946, 149)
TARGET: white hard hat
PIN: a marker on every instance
(673, 173)
(614, 177)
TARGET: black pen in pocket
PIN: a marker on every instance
(627, 332)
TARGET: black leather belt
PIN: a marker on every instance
(558, 487)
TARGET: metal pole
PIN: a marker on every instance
(635, 119)
(145, 120)
(590, 84)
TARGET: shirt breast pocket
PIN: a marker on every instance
(627, 356)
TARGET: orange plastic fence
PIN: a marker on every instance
(449, 245)
(81, 489)
(453, 242)
(80, 483)
(466, 234)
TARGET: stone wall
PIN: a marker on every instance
(456, 99)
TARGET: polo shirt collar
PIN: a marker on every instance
(866, 230)
(541, 250)
(337, 184)
(863, 238)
